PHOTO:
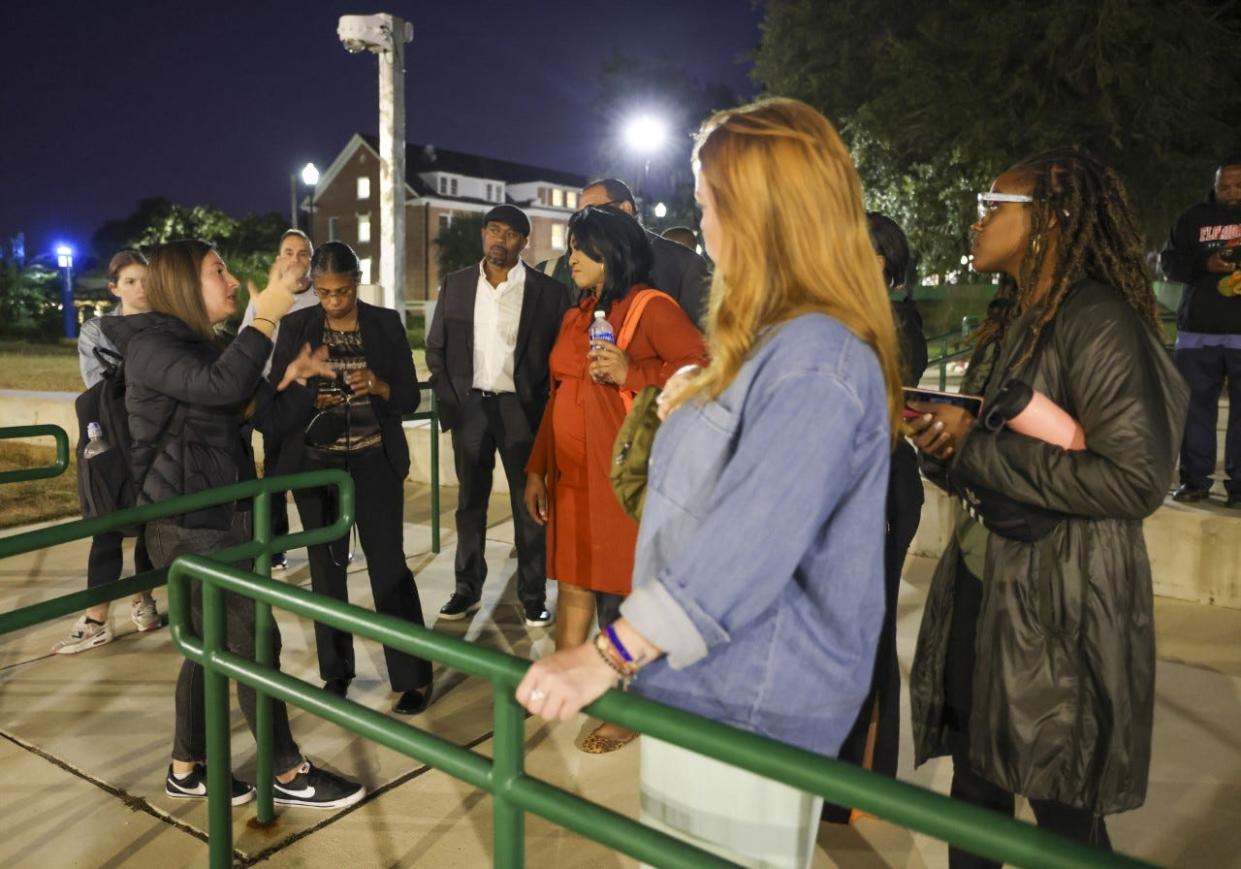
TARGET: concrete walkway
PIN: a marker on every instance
(84, 742)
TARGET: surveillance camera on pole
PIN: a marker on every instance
(385, 35)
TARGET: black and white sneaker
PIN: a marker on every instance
(194, 786)
(316, 788)
(537, 615)
(458, 607)
(279, 561)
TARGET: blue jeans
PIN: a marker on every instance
(1205, 369)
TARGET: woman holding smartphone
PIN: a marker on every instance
(1035, 661)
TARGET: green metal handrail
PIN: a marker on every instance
(975, 829)
(433, 416)
(260, 548)
(34, 431)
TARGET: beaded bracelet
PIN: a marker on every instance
(604, 648)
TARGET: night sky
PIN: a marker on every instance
(216, 102)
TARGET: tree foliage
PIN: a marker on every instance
(936, 99)
(459, 244)
(29, 301)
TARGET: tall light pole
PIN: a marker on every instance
(310, 177)
(385, 35)
(64, 261)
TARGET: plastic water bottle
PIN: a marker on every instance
(601, 330)
(98, 443)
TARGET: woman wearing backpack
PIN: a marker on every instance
(590, 540)
(191, 405)
(127, 273)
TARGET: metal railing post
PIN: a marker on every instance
(435, 475)
(33, 431)
(219, 762)
(507, 767)
(264, 629)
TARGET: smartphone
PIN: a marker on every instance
(972, 403)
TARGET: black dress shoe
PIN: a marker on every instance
(339, 687)
(1187, 494)
(413, 702)
(458, 607)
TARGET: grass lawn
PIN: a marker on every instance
(37, 500)
(49, 367)
(54, 367)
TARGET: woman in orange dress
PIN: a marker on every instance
(590, 540)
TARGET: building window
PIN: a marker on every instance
(364, 264)
(443, 185)
(557, 198)
(488, 192)
(570, 199)
(558, 236)
(542, 195)
(445, 221)
(499, 193)
(364, 228)
(364, 187)
(452, 187)
(332, 231)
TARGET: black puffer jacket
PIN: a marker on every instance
(1064, 675)
(169, 368)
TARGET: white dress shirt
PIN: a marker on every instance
(497, 312)
(305, 299)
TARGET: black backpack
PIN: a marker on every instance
(105, 483)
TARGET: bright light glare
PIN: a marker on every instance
(645, 134)
(64, 250)
(310, 175)
(661, 210)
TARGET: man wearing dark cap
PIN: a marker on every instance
(487, 348)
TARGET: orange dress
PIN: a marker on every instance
(590, 540)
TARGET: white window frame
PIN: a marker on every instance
(558, 236)
(557, 197)
(364, 266)
(364, 229)
(364, 187)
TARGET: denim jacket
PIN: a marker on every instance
(759, 567)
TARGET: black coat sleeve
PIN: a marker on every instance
(399, 372)
(1131, 406)
(158, 361)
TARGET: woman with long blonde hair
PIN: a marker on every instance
(759, 568)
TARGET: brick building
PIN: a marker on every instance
(440, 185)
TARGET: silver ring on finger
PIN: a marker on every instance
(537, 696)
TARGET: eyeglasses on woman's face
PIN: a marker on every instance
(988, 202)
(331, 295)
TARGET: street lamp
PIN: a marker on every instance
(310, 177)
(64, 261)
(661, 211)
(645, 135)
(385, 35)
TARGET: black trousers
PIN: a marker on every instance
(904, 513)
(967, 785)
(380, 505)
(280, 502)
(107, 559)
(491, 423)
(167, 540)
(1206, 369)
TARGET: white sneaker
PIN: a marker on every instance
(86, 634)
(145, 615)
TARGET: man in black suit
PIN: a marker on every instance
(678, 270)
(487, 349)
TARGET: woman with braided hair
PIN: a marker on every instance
(1035, 663)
